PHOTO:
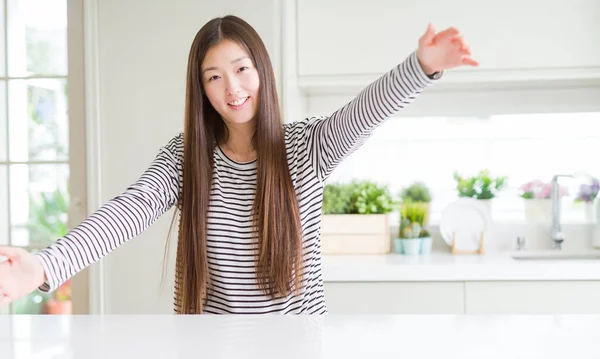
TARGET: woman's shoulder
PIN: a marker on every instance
(174, 146)
(175, 142)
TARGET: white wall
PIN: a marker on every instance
(143, 50)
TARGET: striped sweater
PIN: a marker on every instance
(315, 146)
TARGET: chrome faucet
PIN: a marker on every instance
(555, 231)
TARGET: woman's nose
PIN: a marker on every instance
(233, 86)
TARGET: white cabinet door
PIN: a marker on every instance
(538, 297)
(395, 297)
(533, 38)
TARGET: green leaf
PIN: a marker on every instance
(416, 192)
(357, 197)
(480, 186)
(47, 216)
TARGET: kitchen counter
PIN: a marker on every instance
(414, 336)
(449, 267)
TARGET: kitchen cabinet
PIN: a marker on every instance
(532, 297)
(464, 297)
(394, 297)
(513, 40)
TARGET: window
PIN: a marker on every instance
(522, 147)
(34, 129)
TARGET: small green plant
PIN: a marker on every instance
(370, 198)
(413, 216)
(336, 198)
(480, 186)
(412, 231)
(416, 192)
(415, 212)
(48, 216)
(357, 197)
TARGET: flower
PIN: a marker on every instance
(588, 192)
(540, 190)
(63, 293)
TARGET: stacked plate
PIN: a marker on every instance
(467, 218)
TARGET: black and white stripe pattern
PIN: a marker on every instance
(315, 146)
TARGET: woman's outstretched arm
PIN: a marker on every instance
(332, 138)
(118, 220)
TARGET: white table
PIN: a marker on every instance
(280, 337)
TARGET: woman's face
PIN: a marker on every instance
(231, 82)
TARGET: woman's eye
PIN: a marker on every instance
(213, 78)
(243, 68)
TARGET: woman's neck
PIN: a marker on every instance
(238, 144)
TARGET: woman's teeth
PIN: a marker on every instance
(238, 102)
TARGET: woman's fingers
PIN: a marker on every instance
(4, 300)
(4, 295)
(459, 42)
(428, 36)
(447, 34)
(467, 60)
(10, 252)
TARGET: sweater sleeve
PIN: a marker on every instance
(332, 138)
(118, 220)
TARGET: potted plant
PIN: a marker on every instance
(586, 196)
(61, 302)
(356, 218)
(538, 204)
(417, 192)
(413, 238)
(47, 222)
(409, 237)
(482, 186)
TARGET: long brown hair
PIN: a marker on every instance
(276, 216)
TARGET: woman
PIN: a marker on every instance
(248, 189)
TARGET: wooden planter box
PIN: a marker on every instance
(355, 234)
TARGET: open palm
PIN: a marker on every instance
(444, 50)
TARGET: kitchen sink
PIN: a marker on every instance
(556, 255)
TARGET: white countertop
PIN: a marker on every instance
(453, 267)
(264, 337)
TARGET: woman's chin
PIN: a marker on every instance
(239, 120)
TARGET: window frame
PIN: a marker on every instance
(76, 159)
